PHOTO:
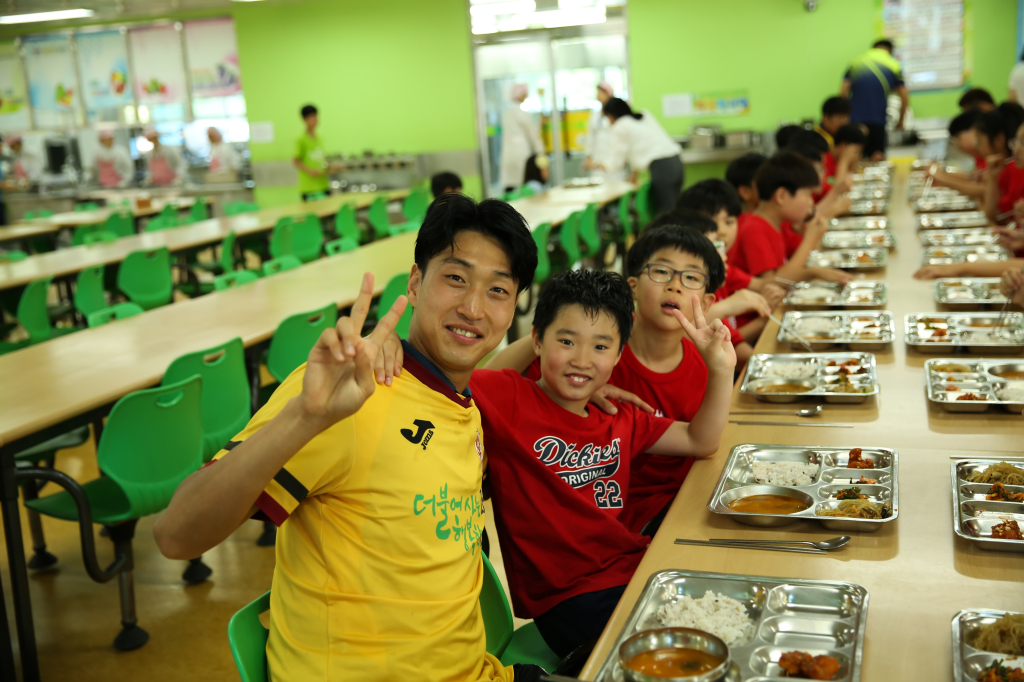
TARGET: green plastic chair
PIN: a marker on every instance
(38, 213)
(240, 207)
(414, 208)
(569, 239)
(13, 256)
(81, 232)
(120, 311)
(100, 237)
(626, 214)
(89, 293)
(276, 265)
(281, 237)
(295, 337)
(643, 205)
(226, 402)
(34, 315)
(524, 645)
(345, 223)
(248, 640)
(396, 286)
(513, 194)
(87, 206)
(526, 191)
(333, 248)
(163, 222)
(145, 278)
(121, 223)
(541, 235)
(316, 196)
(234, 278)
(198, 210)
(379, 220)
(307, 238)
(152, 441)
(589, 231)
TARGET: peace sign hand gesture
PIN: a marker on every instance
(713, 341)
(339, 373)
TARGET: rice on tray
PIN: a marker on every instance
(1010, 395)
(785, 473)
(790, 370)
(722, 616)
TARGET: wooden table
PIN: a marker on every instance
(558, 203)
(58, 221)
(917, 572)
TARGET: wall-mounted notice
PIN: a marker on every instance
(103, 66)
(930, 41)
(261, 132)
(213, 58)
(677, 105)
(13, 97)
(158, 63)
(52, 85)
(724, 103)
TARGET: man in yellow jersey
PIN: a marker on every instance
(377, 489)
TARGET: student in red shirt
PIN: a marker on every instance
(1004, 176)
(740, 174)
(964, 137)
(560, 471)
(835, 113)
(830, 198)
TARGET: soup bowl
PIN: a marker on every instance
(675, 638)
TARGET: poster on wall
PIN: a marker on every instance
(52, 85)
(159, 66)
(13, 96)
(705, 104)
(930, 37)
(103, 65)
(213, 58)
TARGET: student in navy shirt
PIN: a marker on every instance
(867, 83)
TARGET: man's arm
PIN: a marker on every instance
(844, 88)
(904, 94)
(517, 355)
(211, 503)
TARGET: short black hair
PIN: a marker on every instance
(851, 133)
(617, 108)
(835, 105)
(963, 122)
(1004, 119)
(681, 238)
(596, 291)
(809, 138)
(442, 181)
(806, 151)
(684, 217)
(786, 170)
(784, 135)
(308, 111)
(975, 96)
(454, 213)
(885, 44)
(741, 172)
(711, 196)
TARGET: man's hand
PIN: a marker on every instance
(389, 360)
(937, 271)
(339, 373)
(607, 393)
(713, 341)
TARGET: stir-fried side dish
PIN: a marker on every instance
(1007, 530)
(844, 385)
(951, 368)
(857, 461)
(1002, 472)
(1004, 636)
(997, 672)
(858, 509)
(801, 664)
(998, 492)
(850, 494)
(867, 481)
(970, 396)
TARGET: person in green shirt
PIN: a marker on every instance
(310, 159)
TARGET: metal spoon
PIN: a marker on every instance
(806, 412)
(826, 545)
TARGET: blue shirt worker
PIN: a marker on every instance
(868, 83)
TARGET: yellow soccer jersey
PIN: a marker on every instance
(378, 571)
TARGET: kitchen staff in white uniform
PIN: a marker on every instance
(114, 166)
(598, 133)
(520, 139)
(166, 165)
(223, 157)
(27, 167)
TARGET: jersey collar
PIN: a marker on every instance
(428, 373)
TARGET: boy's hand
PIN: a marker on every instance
(833, 275)
(607, 393)
(754, 302)
(774, 294)
(1012, 285)
(1009, 237)
(339, 372)
(713, 341)
(937, 271)
(389, 360)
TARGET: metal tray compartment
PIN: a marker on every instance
(849, 259)
(940, 221)
(866, 330)
(941, 255)
(856, 223)
(935, 203)
(941, 332)
(973, 518)
(967, 293)
(869, 207)
(968, 662)
(857, 295)
(816, 616)
(858, 239)
(737, 481)
(867, 191)
(978, 377)
(964, 236)
(819, 372)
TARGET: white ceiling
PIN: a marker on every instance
(113, 9)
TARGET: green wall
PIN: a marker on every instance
(788, 59)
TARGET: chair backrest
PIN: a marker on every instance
(276, 265)
(33, 314)
(120, 311)
(198, 210)
(239, 207)
(316, 196)
(569, 237)
(541, 234)
(87, 206)
(295, 337)
(80, 233)
(625, 213)
(152, 441)
(38, 213)
(336, 246)
(378, 216)
(169, 211)
(513, 194)
(227, 252)
(100, 237)
(248, 639)
(307, 238)
(121, 223)
(13, 256)
(89, 295)
(526, 191)
(145, 277)
(414, 208)
(643, 205)
(396, 286)
(589, 233)
(281, 237)
(233, 279)
(496, 612)
(163, 221)
(345, 222)
(226, 400)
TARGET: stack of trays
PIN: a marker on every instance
(835, 377)
(940, 221)
(941, 255)
(857, 295)
(965, 236)
(935, 203)
(974, 516)
(820, 617)
(867, 330)
(855, 223)
(969, 293)
(825, 476)
(942, 332)
(975, 385)
(968, 661)
(849, 259)
(858, 239)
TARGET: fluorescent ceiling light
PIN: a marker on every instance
(46, 16)
(571, 17)
(491, 9)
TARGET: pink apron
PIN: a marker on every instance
(215, 163)
(160, 172)
(108, 174)
(19, 171)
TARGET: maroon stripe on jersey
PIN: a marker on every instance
(432, 381)
(270, 508)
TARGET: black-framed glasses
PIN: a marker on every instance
(690, 279)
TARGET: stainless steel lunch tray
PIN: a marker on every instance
(963, 330)
(870, 191)
(738, 476)
(817, 616)
(969, 292)
(848, 329)
(973, 518)
(858, 239)
(942, 255)
(969, 662)
(857, 295)
(964, 236)
(849, 259)
(819, 376)
(869, 207)
(979, 380)
(942, 202)
(940, 221)
(858, 223)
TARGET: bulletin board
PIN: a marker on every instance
(932, 38)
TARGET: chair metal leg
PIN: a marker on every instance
(197, 572)
(131, 635)
(40, 557)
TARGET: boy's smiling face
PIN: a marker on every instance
(727, 227)
(577, 355)
(655, 300)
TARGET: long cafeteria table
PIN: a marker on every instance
(917, 573)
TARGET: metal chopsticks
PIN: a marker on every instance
(768, 548)
(789, 330)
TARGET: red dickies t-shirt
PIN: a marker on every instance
(759, 246)
(559, 485)
(735, 279)
(1011, 186)
(792, 238)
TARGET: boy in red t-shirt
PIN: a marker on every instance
(1004, 182)
(560, 471)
